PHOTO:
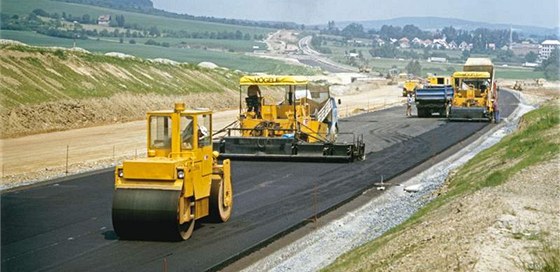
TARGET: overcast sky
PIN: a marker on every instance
(524, 12)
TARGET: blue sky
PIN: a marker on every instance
(543, 13)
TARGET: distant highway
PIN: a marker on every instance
(66, 225)
(314, 58)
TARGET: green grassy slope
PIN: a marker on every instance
(534, 143)
(32, 75)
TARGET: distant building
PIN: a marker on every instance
(453, 45)
(436, 59)
(546, 49)
(440, 43)
(404, 43)
(104, 20)
(523, 48)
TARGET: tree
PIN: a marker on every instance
(505, 55)
(411, 32)
(86, 19)
(551, 65)
(414, 67)
(353, 30)
(154, 31)
(531, 57)
(390, 31)
(120, 20)
(466, 54)
(450, 33)
(40, 12)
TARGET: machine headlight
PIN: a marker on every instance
(120, 173)
(180, 173)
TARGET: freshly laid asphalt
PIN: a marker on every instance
(66, 225)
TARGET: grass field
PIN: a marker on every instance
(27, 6)
(11, 7)
(191, 55)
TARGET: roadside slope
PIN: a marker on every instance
(52, 89)
(497, 213)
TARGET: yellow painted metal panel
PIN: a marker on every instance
(150, 169)
(273, 80)
(471, 75)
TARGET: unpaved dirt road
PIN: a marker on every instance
(33, 158)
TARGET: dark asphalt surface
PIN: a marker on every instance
(66, 226)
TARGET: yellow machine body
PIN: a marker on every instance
(292, 115)
(180, 164)
(475, 91)
(439, 80)
(410, 86)
(302, 126)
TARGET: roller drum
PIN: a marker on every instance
(146, 214)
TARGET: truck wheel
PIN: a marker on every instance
(220, 208)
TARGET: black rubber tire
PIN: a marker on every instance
(218, 213)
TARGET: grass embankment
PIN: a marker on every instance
(48, 89)
(411, 243)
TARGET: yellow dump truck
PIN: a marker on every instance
(180, 181)
(475, 93)
(300, 126)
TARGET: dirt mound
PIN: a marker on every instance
(50, 89)
(123, 107)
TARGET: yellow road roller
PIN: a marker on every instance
(180, 181)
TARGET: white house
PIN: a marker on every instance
(104, 20)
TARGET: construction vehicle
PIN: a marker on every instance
(301, 126)
(396, 77)
(180, 181)
(518, 86)
(475, 93)
(410, 86)
(434, 96)
(364, 69)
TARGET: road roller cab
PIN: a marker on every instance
(179, 182)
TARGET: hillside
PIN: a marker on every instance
(499, 212)
(433, 23)
(56, 23)
(50, 89)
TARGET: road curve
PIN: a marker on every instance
(66, 225)
(314, 58)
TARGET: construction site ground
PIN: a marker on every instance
(26, 160)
